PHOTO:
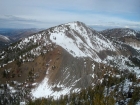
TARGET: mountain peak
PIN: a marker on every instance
(76, 22)
(73, 23)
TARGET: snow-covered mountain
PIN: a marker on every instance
(69, 57)
(4, 38)
(119, 32)
(8, 36)
(76, 38)
(4, 41)
(126, 36)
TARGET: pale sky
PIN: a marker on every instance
(100, 14)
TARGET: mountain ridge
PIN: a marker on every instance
(67, 58)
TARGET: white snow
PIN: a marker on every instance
(67, 43)
(34, 84)
(134, 45)
(22, 103)
(92, 75)
(4, 37)
(93, 66)
(127, 84)
(44, 90)
(121, 63)
(131, 33)
(138, 103)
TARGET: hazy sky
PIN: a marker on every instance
(99, 14)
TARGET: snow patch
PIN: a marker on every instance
(44, 90)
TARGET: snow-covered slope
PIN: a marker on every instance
(4, 38)
(45, 90)
(71, 56)
(134, 45)
(75, 37)
(79, 40)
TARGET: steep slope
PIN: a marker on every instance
(80, 40)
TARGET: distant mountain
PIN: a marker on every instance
(119, 32)
(126, 36)
(4, 41)
(70, 57)
(12, 35)
(16, 34)
(4, 38)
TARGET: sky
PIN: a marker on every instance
(99, 14)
